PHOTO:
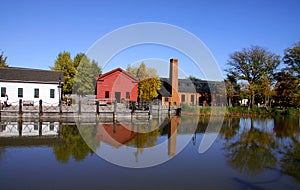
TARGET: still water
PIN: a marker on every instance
(249, 153)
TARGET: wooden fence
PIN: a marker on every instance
(30, 109)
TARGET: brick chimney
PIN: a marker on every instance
(173, 77)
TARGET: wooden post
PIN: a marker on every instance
(0, 109)
(150, 110)
(169, 109)
(115, 111)
(60, 108)
(40, 127)
(97, 109)
(159, 107)
(132, 109)
(115, 127)
(20, 109)
(79, 107)
(40, 108)
(20, 127)
(59, 129)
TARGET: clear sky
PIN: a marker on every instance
(34, 32)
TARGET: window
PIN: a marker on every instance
(3, 91)
(166, 99)
(36, 93)
(183, 98)
(127, 95)
(106, 94)
(52, 92)
(51, 126)
(20, 92)
(192, 99)
(36, 126)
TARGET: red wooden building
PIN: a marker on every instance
(117, 84)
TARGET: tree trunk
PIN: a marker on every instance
(229, 102)
(249, 102)
(252, 100)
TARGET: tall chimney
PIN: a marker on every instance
(173, 77)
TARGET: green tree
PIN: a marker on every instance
(232, 87)
(289, 83)
(252, 65)
(292, 59)
(3, 62)
(149, 82)
(97, 71)
(142, 72)
(193, 78)
(85, 79)
(77, 59)
(132, 70)
(287, 89)
(64, 63)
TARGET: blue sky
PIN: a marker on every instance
(34, 32)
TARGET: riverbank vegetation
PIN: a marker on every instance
(239, 111)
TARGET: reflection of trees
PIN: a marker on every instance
(230, 127)
(290, 162)
(288, 130)
(89, 131)
(286, 126)
(71, 144)
(144, 138)
(251, 152)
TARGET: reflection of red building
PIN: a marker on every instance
(117, 84)
(115, 134)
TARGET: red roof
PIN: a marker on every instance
(117, 70)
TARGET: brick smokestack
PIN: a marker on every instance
(173, 77)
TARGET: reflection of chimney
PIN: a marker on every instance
(172, 136)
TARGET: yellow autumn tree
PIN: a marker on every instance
(149, 82)
(149, 88)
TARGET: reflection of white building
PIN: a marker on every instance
(9, 129)
(30, 85)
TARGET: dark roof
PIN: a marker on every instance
(13, 74)
(189, 85)
(120, 70)
(165, 87)
(199, 86)
(186, 85)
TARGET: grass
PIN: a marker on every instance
(238, 111)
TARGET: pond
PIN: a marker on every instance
(248, 153)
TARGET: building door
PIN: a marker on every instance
(118, 96)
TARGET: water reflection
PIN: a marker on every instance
(139, 134)
(29, 128)
(251, 146)
(71, 145)
(288, 131)
(252, 150)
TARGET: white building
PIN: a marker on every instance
(30, 85)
